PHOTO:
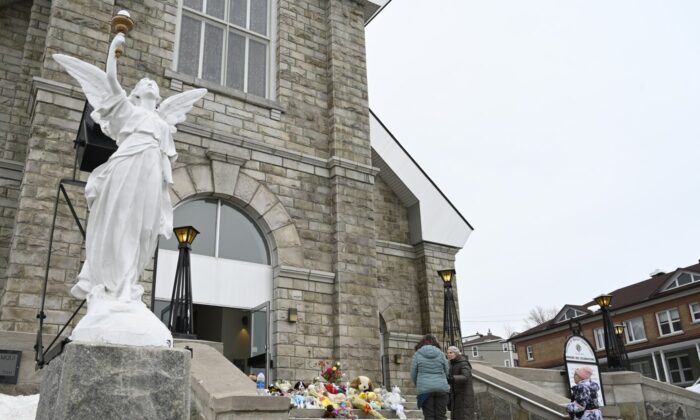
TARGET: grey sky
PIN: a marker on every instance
(566, 132)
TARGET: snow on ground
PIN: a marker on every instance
(20, 407)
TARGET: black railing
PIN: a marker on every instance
(44, 356)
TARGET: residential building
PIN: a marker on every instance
(305, 202)
(661, 316)
(490, 349)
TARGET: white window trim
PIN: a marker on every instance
(529, 353)
(504, 347)
(680, 370)
(673, 284)
(670, 323)
(627, 328)
(475, 351)
(692, 314)
(506, 363)
(271, 38)
(599, 346)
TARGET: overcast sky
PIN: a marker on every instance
(566, 132)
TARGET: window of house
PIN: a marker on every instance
(680, 369)
(512, 346)
(226, 42)
(506, 363)
(530, 353)
(224, 232)
(634, 330)
(599, 335)
(669, 321)
(475, 351)
(643, 367)
(570, 314)
(695, 311)
(683, 279)
(505, 347)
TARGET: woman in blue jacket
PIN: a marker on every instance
(429, 370)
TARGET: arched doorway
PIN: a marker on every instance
(231, 280)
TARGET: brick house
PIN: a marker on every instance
(320, 236)
(661, 316)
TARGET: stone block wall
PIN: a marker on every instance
(299, 164)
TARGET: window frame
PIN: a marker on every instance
(673, 331)
(694, 278)
(629, 330)
(599, 341)
(217, 229)
(475, 351)
(506, 363)
(269, 40)
(680, 369)
(505, 347)
(693, 318)
(529, 353)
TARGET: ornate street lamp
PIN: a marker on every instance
(180, 321)
(613, 350)
(451, 331)
(620, 334)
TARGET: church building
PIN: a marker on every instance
(320, 236)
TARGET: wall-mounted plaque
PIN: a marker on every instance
(9, 366)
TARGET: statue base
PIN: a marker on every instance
(113, 321)
(94, 381)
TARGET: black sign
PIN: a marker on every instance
(9, 366)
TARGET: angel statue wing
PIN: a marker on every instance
(92, 80)
(175, 108)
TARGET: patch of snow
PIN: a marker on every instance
(20, 407)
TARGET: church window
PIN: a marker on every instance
(224, 232)
(226, 42)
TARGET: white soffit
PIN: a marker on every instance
(440, 222)
(372, 8)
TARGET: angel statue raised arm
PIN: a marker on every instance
(128, 200)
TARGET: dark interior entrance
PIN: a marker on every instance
(233, 328)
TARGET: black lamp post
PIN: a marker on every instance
(451, 331)
(620, 334)
(180, 321)
(613, 351)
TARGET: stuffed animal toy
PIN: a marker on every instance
(283, 386)
(298, 401)
(300, 386)
(362, 384)
(330, 413)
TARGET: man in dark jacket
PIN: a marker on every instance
(429, 371)
(462, 390)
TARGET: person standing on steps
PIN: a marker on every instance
(429, 370)
(461, 387)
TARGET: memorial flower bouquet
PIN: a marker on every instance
(330, 371)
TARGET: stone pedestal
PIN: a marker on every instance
(97, 381)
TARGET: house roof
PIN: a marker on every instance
(480, 338)
(432, 217)
(643, 291)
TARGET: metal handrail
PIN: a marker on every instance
(522, 397)
(43, 357)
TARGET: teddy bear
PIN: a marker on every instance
(362, 384)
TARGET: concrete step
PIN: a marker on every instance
(317, 413)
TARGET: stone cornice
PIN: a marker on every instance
(304, 274)
(431, 249)
(224, 157)
(395, 249)
(409, 338)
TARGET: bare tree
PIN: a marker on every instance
(509, 329)
(539, 315)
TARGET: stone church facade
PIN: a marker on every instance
(353, 229)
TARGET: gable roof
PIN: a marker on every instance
(566, 307)
(432, 217)
(643, 291)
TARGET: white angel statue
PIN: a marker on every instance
(128, 199)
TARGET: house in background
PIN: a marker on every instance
(490, 349)
(661, 316)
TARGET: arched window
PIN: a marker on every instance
(224, 232)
